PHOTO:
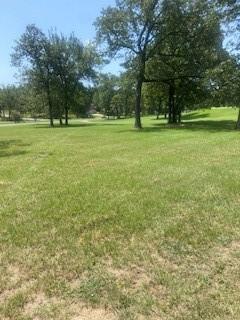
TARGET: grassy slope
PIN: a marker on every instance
(99, 220)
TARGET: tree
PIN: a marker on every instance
(32, 53)
(11, 102)
(126, 90)
(225, 83)
(83, 101)
(226, 77)
(154, 96)
(54, 66)
(71, 63)
(130, 28)
(106, 89)
(173, 42)
(34, 102)
(192, 45)
(2, 106)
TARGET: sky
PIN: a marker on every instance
(65, 15)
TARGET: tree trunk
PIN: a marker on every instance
(50, 107)
(159, 108)
(66, 116)
(179, 116)
(51, 120)
(174, 108)
(138, 124)
(140, 79)
(174, 118)
(238, 120)
(173, 112)
(170, 104)
(125, 107)
(60, 121)
(118, 114)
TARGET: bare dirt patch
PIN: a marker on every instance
(75, 311)
(92, 314)
(17, 282)
(136, 276)
(36, 301)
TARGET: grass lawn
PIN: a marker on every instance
(99, 221)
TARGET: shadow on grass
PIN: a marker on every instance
(6, 145)
(187, 116)
(78, 125)
(195, 115)
(195, 125)
(201, 125)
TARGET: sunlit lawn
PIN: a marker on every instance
(99, 221)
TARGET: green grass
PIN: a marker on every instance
(101, 221)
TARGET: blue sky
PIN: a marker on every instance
(65, 15)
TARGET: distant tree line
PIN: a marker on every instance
(17, 102)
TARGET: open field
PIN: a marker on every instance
(99, 221)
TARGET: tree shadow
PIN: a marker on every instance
(196, 126)
(6, 145)
(201, 125)
(78, 125)
(195, 115)
(187, 116)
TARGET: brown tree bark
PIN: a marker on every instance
(50, 107)
(66, 116)
(138, 123)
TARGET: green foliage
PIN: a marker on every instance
(12, 102)
(114, 95)
(71, 62)
(54, 66)
(173, 43)
(105, 91)
(192, 44)
(131, 28)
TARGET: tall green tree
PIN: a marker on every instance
(155, 98)
(71, 63)
(192, 45)
(126, 92)
(225, 84)
(130, 28)
(11, 102)
(54, 65)
(32, 55)
(105, 91)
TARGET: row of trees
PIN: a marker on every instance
(55, 67)
(173, 56)
(11, 102)
(27, 101)
(175, 43)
